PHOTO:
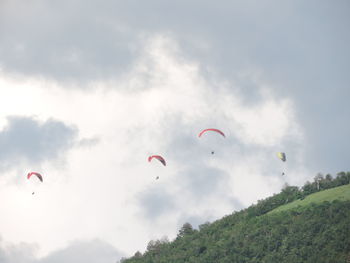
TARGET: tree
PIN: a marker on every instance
(204, 226)
(318, 180)
(154, 246)
(186, 229)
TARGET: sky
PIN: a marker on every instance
(90, 89)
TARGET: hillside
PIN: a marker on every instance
(341, 193)
(308, 224)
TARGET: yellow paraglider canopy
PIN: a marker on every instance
(282, 156)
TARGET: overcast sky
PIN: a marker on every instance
(90, 89)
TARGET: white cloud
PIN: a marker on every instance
(78, 251)
(159, 106)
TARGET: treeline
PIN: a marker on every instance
(320, 233)
(290, 193)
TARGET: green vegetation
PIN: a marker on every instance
(297, 225)
(341, 193)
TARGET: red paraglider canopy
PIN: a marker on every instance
(160, 158)
(35, 173)
(211, 129)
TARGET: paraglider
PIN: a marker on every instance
(158, 157)
(282, 156)
(211, 129)
(39, 176)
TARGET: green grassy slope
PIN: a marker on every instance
(341, 193)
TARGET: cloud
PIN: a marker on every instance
(195, 183)
(21, 253)
(24, 139)
(58, 41)
(89, 142)
(154, 202)
(91, 251)
(109, 189)
(135, 80)
(84, 252)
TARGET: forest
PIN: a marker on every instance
(314, 231)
